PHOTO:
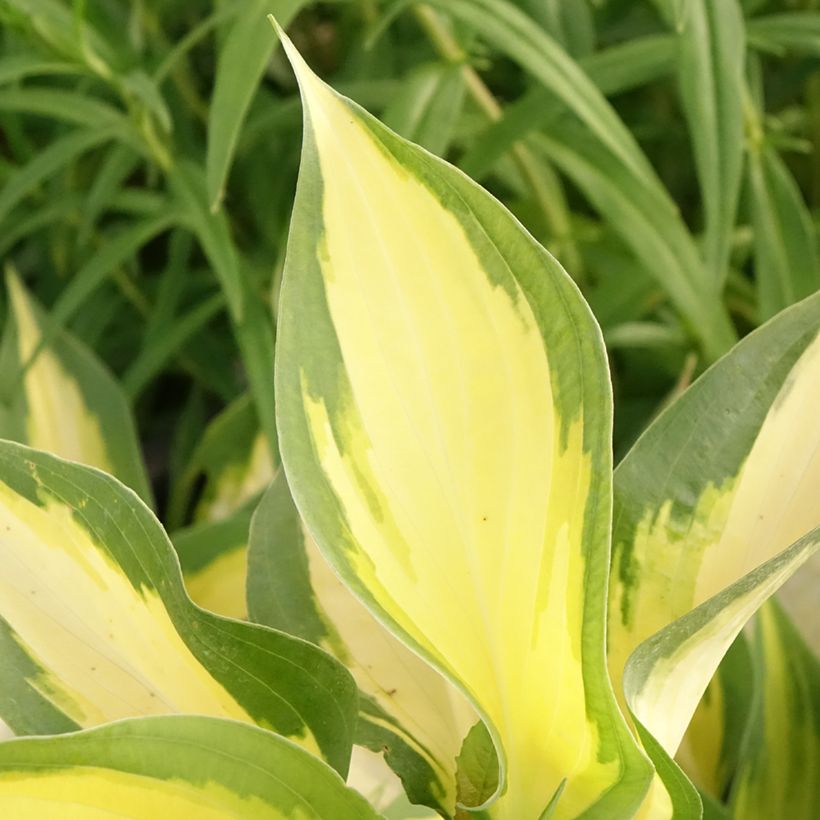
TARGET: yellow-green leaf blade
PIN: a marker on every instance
(697, 509)
(721, 482)
(214, 560)
(779, 775)
(660, 696)
(407, 709)
(177, 766)
(667, 674)
(444, 420)
(69, 403)
(711, 746)
(95, 625)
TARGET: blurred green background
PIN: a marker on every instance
(149, 154)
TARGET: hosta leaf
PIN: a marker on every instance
(444, 419)
(711, 746)
(780, 770)
(799, 598)
(178, 766)
(66, 401)
(371, 777)
(95, 624)
(214, 560)
(721, 483)
(667, 674)
(233, 459)
(711, 64)
(408, 710)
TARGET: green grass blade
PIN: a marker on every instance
(428, 106)
(117, 248)
(711, 64)
(17, 67)
(251, 318)
(21, 224)
(571, 24)
(614, 70)
(212, 232)
(60, 153)
(153, 357)
(66, 106)
(63, 32)
(787, 267)
(119, 163)
(618, 164)
(515, 34)
(247, 48)
(797, 33)
(641, 215)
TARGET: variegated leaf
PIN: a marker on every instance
(62, 398)
(711, 746)
(779, 774)
(173, 767)
(667, 674)
(233, 459)
(444, 418)
(214, 560)
(408, 711)
(95, 625)
(724, 481)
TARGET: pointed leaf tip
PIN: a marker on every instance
(304, 73)
(276, 27)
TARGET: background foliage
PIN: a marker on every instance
(148, 160)
(150, 150)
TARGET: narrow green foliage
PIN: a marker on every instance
(363, 311)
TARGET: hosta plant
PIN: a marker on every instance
(446, 569)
